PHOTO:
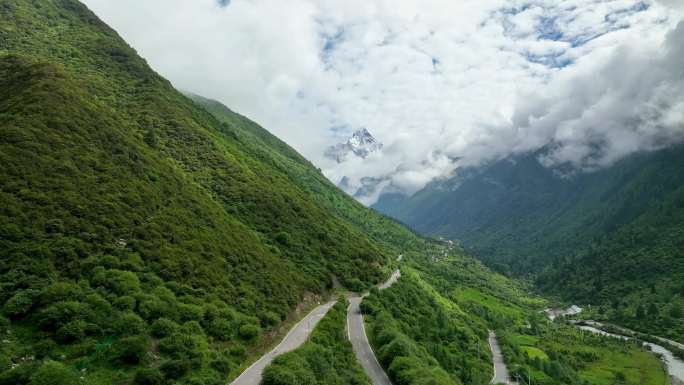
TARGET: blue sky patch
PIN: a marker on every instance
(330, 43)
(548, 29)
(552, 61)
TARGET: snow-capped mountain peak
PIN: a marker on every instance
(361, 144)
(361, 137)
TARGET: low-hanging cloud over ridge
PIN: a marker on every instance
(442, 84)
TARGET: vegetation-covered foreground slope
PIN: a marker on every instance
(142, 239)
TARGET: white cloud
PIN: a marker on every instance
(672, 3)
(602, 110)
(434, 80)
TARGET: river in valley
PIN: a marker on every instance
(675, 366)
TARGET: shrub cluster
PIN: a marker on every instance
(124, 319)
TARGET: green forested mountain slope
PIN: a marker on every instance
(608, 237)
(139, 231)
(522, 215)
(275, 152)
(635, 273)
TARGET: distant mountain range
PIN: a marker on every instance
(596, 237)
(361, 143)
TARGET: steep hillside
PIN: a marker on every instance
(139, 235)
(636, 273)
(520, 214)
(598, 237)
(262, 144)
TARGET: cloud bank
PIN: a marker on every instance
(630, 101)
(442, 84)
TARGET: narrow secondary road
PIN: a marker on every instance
(390, 281)
(501, 375)
(294, 339)
(357, 335)
(362, 348)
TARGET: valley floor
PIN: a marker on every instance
(674, 365)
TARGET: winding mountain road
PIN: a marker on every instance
(359, 340)
(356, 332)
(294, 339)
(390, 281)
(301, 331)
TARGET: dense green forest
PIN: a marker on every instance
(325, 359)
(382, 230)
(143, 240)
(636, 273)
(520, 216)
(611, 238)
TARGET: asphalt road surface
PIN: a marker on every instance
(357, 335)
(392, 279)
(362, 348)
(294, 339)
(501, 375)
